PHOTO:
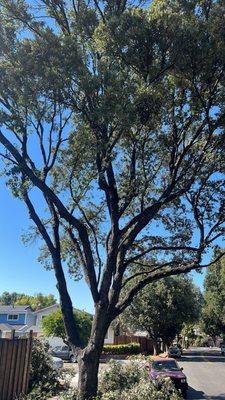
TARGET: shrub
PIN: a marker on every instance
(130, 348)
(43, 378)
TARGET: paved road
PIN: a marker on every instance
(205, 370)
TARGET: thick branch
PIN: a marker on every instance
(155, 276)
(66, 304)
(63, 212)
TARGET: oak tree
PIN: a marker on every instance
(112, 121)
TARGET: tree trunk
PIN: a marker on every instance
(88, 373)
(88, 360)
(155, 348)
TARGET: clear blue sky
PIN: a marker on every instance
(20, 271)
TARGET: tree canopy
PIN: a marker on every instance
(112, 121)
(162, 308)
(36, 301)
(52, 325)
(213, 314)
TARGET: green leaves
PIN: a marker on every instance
(214, 299)
(36, 301)
(53, 325)
(163, 307)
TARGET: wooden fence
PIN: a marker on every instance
(15, 358)
(145, 343)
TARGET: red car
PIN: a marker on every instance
(168, 367)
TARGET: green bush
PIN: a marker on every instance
(130, 348)
(43, 378)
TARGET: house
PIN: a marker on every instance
(22, 319)
(15, 318)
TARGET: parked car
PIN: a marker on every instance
(179, 346)
(174, 351)
(168, 367)
(63, 352)
(57, 363)
(222, 348)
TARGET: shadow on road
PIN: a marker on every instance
(195, 394)
(199, 358)
(199, 395)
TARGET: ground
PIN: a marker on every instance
(205, 370)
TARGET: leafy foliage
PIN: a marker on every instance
(213, 315)
(130, 348)
(53, 325)
(162, 308)
(188, 331)
(36, 301)
(132, 382)
(114, 114)
(43, 378)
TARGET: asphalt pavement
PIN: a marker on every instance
(205, 371)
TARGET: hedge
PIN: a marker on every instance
(130, 348)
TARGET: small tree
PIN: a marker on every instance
(53, 325)
(162, 308)
(112, 133)
(188, 332)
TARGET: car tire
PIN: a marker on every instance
(73, 359)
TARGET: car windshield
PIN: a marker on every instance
(57, 348)
(165, 365)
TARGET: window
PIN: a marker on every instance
(13, 317)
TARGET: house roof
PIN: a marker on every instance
(46, 308)
(9, 327)
(13, 309)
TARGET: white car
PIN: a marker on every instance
(57, 363)
(222, 349)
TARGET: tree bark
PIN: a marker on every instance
(155, 348)
(88, 360)
(88, 373)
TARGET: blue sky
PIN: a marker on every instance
(20, 271)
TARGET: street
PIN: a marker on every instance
(205, 371)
